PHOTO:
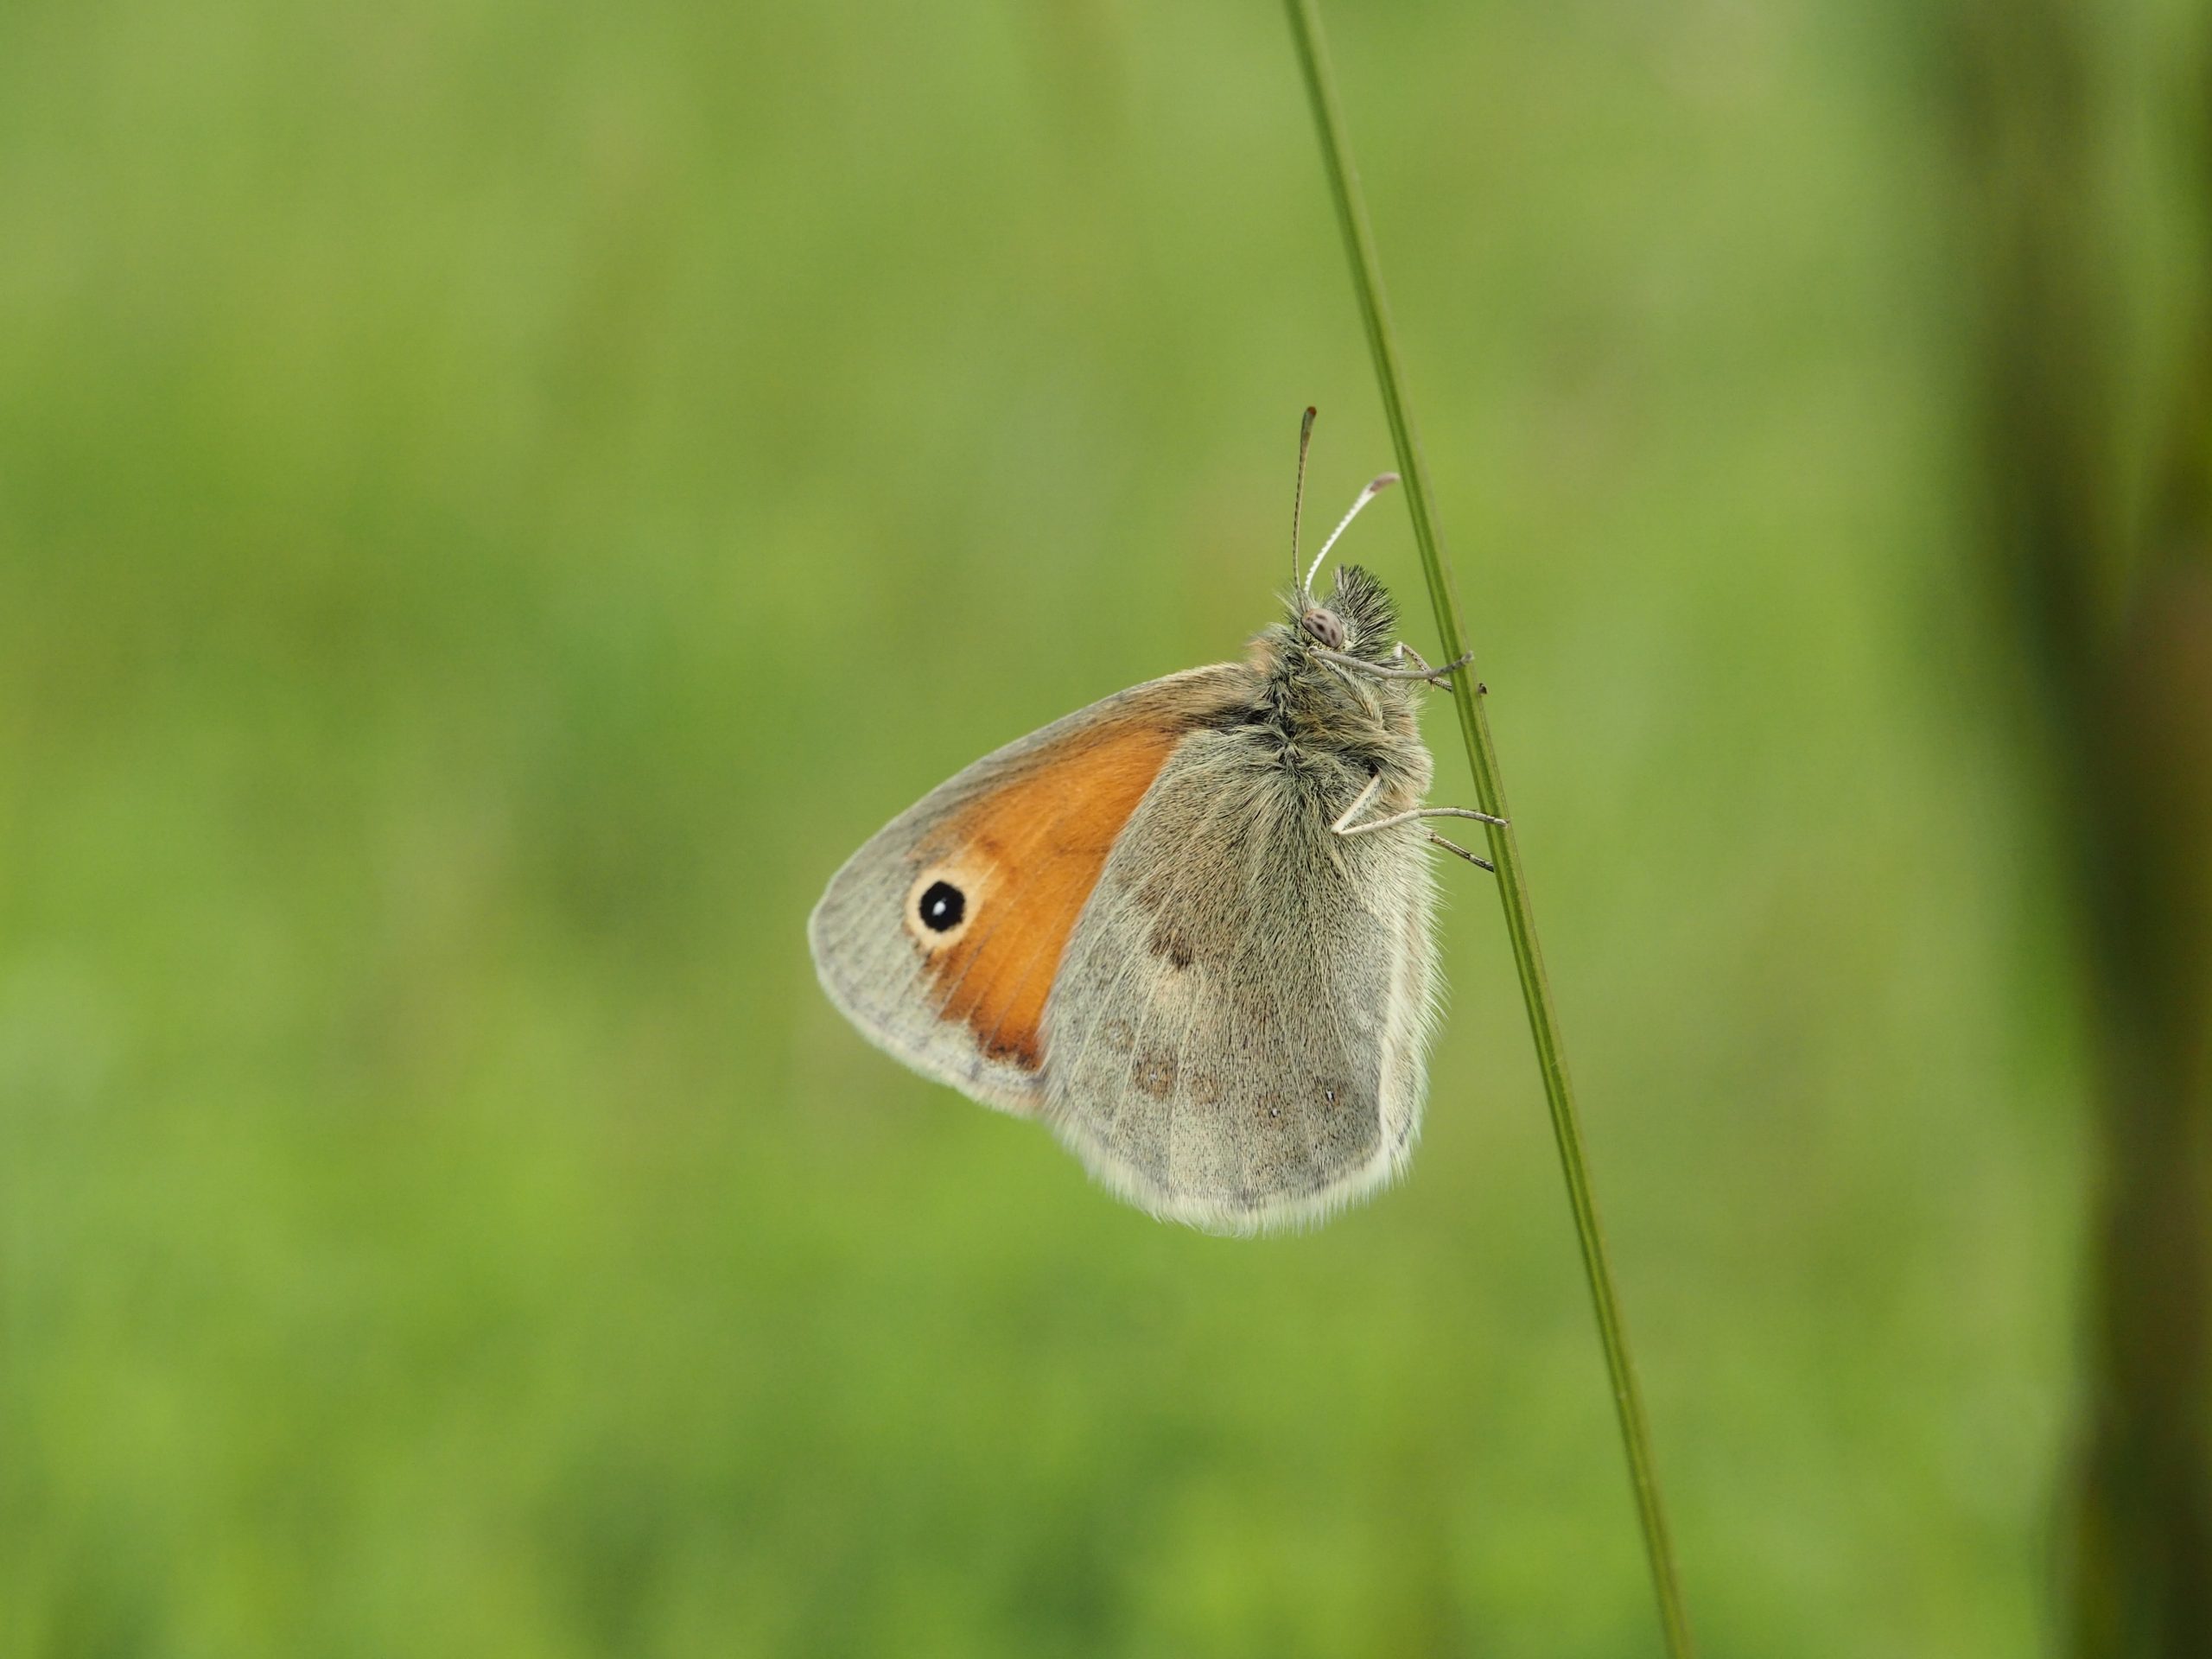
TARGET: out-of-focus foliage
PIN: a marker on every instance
(2094, 380)
(497, 500)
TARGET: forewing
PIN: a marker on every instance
(1020, 838)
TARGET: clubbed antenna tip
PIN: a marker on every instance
(1298, 491)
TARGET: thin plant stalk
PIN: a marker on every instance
(1490, 795)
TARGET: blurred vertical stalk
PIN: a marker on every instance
(1490, 794)
(2100, 545)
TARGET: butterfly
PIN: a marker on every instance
(1190, 927)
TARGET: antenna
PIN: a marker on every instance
(1365, 496)
(1298, 494)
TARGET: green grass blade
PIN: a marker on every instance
(1490, 795)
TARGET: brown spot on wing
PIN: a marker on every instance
(1168, 944)
(1037, 844)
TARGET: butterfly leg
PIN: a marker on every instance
(1344, 826)
(1475, 859)
(1433, 676)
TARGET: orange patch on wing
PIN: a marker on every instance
(1043, 839)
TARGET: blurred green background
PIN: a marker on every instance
(497, 500)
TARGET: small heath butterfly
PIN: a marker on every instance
(1189, 927)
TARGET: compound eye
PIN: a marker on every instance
(1325, 626)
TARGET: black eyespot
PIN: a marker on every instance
(942, 907)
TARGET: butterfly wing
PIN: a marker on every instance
(1238, 1028)
(941, 939)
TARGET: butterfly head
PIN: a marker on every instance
(1356, 615)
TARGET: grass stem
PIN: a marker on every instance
(1490, 795)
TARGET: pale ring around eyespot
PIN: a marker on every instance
(940, 907)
